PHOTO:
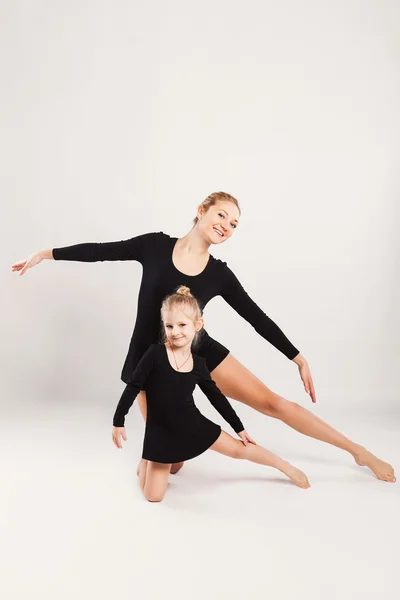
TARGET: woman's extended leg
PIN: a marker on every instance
(141, 399)
(153, 479)
(228, 445)
(238, 383)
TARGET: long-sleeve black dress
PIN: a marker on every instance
(175, 428)
(160, 277)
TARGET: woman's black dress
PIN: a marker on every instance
(175, 428)
(160, 278)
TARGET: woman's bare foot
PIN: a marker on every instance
(175, 467)
(381, 469)
(297, 476)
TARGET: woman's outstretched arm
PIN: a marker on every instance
(132, 249)
(235, 295)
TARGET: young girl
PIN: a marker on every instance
(175, 429)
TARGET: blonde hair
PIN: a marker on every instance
(212, 200)
(182, 299)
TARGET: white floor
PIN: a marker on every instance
(75, 525)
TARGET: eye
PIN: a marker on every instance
(233, 225)
(168, 326)
(221, 215)
(183, 324)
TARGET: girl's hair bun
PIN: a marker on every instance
(183, 290)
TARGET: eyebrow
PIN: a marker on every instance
(228, 215)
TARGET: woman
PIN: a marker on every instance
(169, 262)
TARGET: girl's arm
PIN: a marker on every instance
(237, 297)
(133, 387)
(218, 400)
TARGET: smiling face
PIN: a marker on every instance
(219, 222)
(180, 328)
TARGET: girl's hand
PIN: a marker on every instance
(244, 436)
(305, 375)
(117, 434)
(23, 265)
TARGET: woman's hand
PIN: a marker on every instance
(305, 375)
(117, 434)
(34, 259)
(244, 436)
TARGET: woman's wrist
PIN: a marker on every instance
(46, 253)
(299, 360)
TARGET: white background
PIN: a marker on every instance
(120, 118)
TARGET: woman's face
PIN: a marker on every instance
(219, 222)
(179, 328)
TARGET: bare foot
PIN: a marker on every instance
(297, 476)
(381, 469)
(175, 467)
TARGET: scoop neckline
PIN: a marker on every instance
(174, 241)
(180, 372)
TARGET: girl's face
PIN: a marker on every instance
(180, 328)
(219, 222)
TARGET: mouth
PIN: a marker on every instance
(219, 232)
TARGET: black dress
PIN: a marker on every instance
(160, 278)
(175, 428)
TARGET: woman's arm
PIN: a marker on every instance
(133, 387)
(237, 297)
(218, 400)
(131, 249)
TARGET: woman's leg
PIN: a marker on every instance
(153, 479)
(228, 445)
(238, 383)
(141, 398)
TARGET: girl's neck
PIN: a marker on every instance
(181, 351)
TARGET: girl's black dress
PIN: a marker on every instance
(175, 428)
(160, 278)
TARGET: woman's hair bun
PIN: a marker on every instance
(183, 290)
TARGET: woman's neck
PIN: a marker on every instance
(193, 243)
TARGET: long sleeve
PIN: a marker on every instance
(133, 387)
(132, 249)
(240, 301)
(218, 400)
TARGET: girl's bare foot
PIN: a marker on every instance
(297, 476)
(175, 467)
(381, 469)
(138, 467)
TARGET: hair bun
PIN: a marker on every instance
(183, 290)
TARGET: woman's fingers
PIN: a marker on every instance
(312, 392)
(18, 265)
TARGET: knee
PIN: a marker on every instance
(274, 405)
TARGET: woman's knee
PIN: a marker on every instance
(274, 405)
